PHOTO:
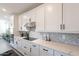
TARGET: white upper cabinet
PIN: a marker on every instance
(24, 18)
(27, 16)
(30, 15)
(53, 17)
(11, 24)
(48, 17)
(23, 24)
(20, 23)
(12, 21)
(71, 17)
(33, 15)
(40, 19)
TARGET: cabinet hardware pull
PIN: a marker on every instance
(25, 47)
(61, 26)
(61, 55)
(34, 45)
(45, 50)
(16, 42)
(30, 49)
(25, 53)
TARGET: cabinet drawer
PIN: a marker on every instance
(34, 45)
(58, 53)
(44, 51)
(34, 49)
(25, 48)
(26, 53)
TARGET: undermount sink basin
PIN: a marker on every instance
(30, 39)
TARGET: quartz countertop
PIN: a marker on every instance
(66, 48)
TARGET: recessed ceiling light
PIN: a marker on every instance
(3, 9)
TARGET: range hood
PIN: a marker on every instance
(30, 26)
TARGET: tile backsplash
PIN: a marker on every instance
(67, 38)
(35, 35)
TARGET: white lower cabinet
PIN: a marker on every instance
(19, 46)
(28, 48)
(17, 43)
(58, 53)
(34, 49)
(26, 51)
(25, 47)
(44, 51)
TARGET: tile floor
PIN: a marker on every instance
(4, 46)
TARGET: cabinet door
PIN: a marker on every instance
(11, 24)
(40, 18)
(24, 21)
(58, 53)
(50, 52)
(33, 14)
(43, 51)
(15, 42)
(11, 21)
(53, 17)
(20, 23)
(30, 15)
(25, 47)
(19, 47)
(34, 49)
(26, 17)
(71, 17)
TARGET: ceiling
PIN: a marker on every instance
(17, 8)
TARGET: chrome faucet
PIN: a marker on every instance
(48, 37)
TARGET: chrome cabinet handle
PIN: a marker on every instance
(45, 50)
(34, 45)
(25, 47)
(61, 55)
(30, 49)
(60, 26)
(16, 42)
(63, 26)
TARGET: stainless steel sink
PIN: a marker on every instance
(30, 39)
